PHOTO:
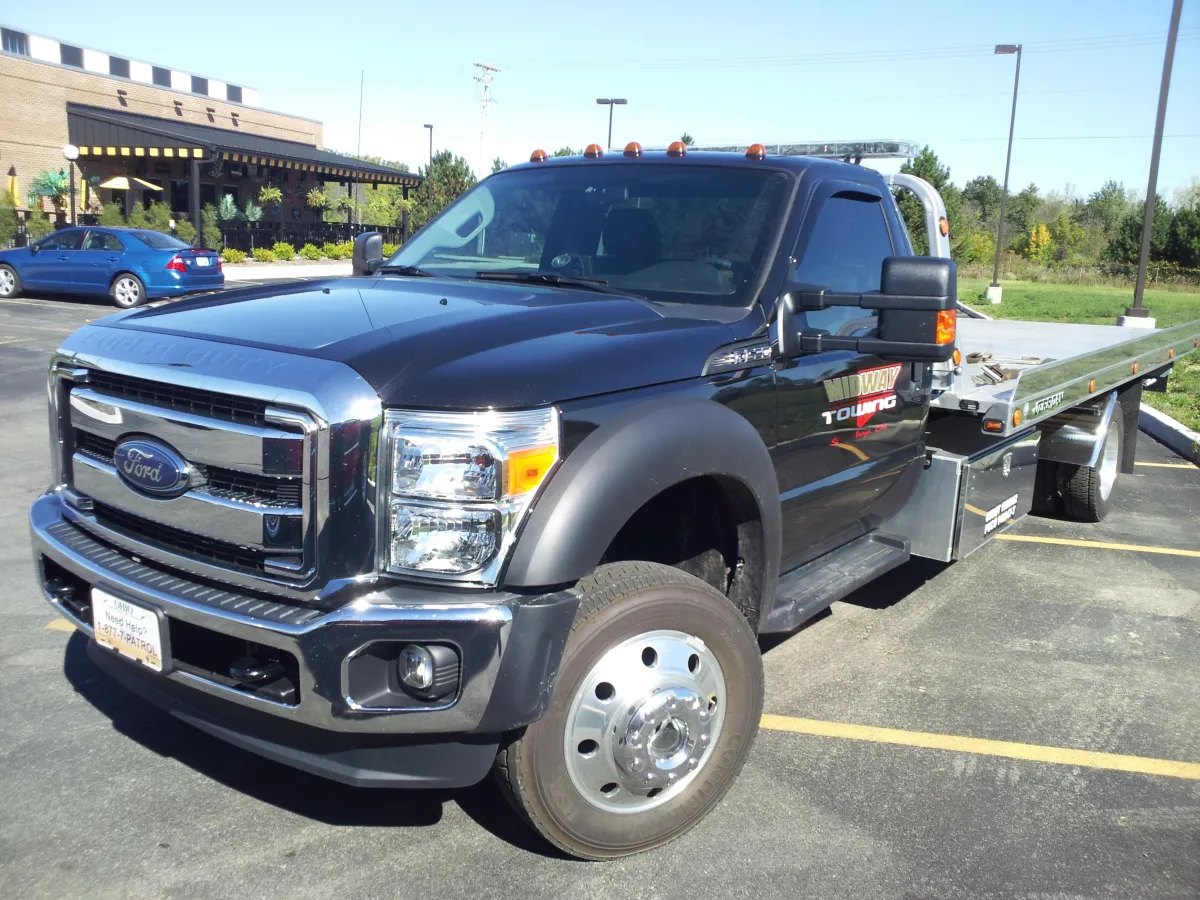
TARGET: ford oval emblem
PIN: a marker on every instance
(151, 467)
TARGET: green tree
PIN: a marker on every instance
(927, 166)
(1068, 235)
(210, 229)
(54, 186)
(567, 151)
(983, 194)
(1106, 208)
(978, 247)
(447, 177)
(1039, 246)
(1183, 240)
(687, 139)
(498, 165)
(1126, 244)
(8, 219)
(1021, 214)
(37, 226)
(111, 215)
(227, 209)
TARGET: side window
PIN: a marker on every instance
(101, 240)
(845, 253)
(63, 240)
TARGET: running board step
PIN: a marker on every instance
(804, 592)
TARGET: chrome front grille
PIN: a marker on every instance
(279, 449)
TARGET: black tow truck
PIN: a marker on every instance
(522, 497)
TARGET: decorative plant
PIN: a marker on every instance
(310, 251)
(37, 226)
(185, 231)
(284, 252)
(253, 214)
(262, 254)
(318, 201)
(111, 215)
(8, 219)
(227, 209)
(344, 204)
(210, 231)
(52, 186)
(270, 195)
(230, 255)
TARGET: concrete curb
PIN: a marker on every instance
(1167, 431)
(276, 271)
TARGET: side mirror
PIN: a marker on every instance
(917, 313)
(368, 253)
(33, 248)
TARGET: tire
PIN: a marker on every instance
(10, 283)
(127, 291)
(666, 673)
(1087, 491)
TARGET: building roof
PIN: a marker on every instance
(114, 133)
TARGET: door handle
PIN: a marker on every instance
(64, 258)
(114, 259)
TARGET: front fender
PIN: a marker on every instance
(626, 462)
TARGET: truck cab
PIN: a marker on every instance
(522, 497)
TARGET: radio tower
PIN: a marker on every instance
(486, 73)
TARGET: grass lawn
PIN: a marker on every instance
(1042, 302)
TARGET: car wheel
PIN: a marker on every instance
(10, 282)
(1087, 490)
(127, 291)
(657, 702)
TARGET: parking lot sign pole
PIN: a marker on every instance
(1012, 122)
(1137, 311)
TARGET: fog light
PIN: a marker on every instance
(416, 667)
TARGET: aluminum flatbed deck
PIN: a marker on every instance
(1022, 372)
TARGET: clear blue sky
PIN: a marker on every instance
(769, 70)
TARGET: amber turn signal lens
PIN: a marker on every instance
(957, 357)
(1092, 386)
(1134, 368)
(528, 468)
(994, 425)
(1018, 418)
(944, 226)
(633, 148)
(946, 323)
(593, 151)
(756, 151)
(1171, 353)
(677, 148)
(537, 156)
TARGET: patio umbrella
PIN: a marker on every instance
(12, 185)
(128, 183)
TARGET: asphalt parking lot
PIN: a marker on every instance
(1022, 724)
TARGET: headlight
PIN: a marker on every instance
(457, 486)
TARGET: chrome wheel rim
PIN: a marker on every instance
(8, 282)
(126, 291)
(1110, 461)
(644, 721)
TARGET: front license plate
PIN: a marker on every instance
(128, 628)
(203, 261)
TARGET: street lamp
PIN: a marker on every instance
(610, 103)
(993, 292)
(430, 127)
(71, 153)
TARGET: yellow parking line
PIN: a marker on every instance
(60, 625)
(1096, 545)
(1166, 465)
(10, 339)
(1118, 762)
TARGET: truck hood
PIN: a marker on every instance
(442, 343)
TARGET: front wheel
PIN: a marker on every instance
(127, 291)
(10, 282)
(658, 700)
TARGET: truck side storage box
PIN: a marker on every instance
(962, 502)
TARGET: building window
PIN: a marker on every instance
(162, 77)
(18, 42)
(233, 93)
(118, 66)
(70, 56)
(199, 85)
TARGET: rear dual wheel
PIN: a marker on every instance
(657, 702)
(1087, 490)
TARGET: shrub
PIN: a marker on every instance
(346, 250)
(8, 219)
(210, 231)
(329, 251)
(284, 251)
(233, 256)
(37, 226)
(111, 215)
(261, 254)
(979, 247)
(310, 251)
(185, 231)
(389, 250)
(137, 218)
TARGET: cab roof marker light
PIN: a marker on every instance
(677, 149)
(633, 148)
(538, 156)
(756, 151)
(593, 151)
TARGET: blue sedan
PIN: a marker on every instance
(128, 264)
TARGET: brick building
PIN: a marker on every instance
(194, 137)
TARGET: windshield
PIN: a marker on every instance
(693, 234)
(156, 240)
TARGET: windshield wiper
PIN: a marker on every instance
(589, 284)
(405, 270)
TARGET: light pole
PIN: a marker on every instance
(610, 103)
(71, 153)
(1137, 314)
(993, 291)
(430, 127)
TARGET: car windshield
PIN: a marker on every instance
(156, 240)
(691, 234)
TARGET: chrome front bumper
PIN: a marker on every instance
(509, 645)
